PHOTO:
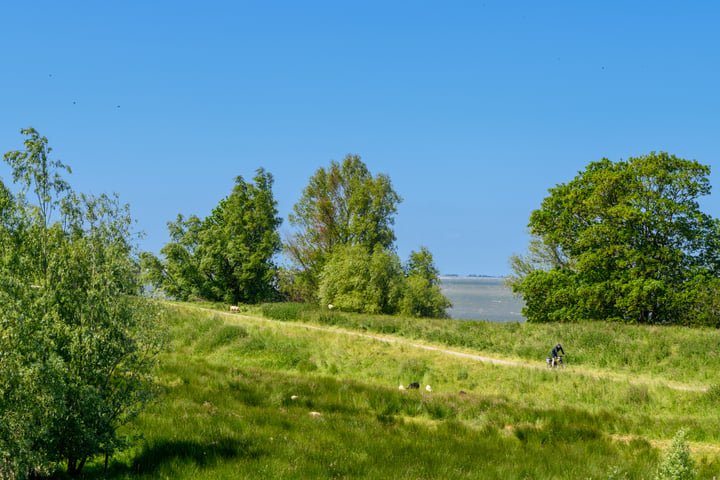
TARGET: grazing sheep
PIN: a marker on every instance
(234, 308)
(315, 414)
(293, 397)
(402, 388)
(427, 387)
(414, 385)
(330, 307)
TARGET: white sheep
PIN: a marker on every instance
(330, 307)
(427, 387)
(234, 308)
(402, 388)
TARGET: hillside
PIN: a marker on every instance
(316, 396)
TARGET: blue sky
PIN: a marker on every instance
(474, 109)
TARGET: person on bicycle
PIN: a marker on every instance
(554, 353)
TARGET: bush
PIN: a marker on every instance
(677, 464)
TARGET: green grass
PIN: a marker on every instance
(675, 354)
(228, 409)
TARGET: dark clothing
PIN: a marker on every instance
(555, 351)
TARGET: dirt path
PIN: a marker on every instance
(397, 341)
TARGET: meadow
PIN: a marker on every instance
(291, 391)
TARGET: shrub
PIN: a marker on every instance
(677, 464)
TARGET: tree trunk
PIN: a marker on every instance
(75, 466)
(71, 466)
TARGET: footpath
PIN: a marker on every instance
(481, 358)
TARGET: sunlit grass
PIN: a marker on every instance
(228, 409)
(676, 354)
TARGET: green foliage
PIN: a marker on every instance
(343, 248)
(677, 463)
(343, 205)
(78, 346)
(357, 280)
(421, 264)
(422, 296)
(228, 256)
(624, 241)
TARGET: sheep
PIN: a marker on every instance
(427, 387)
(234, 308)
(414, 385)
(402, 388)
(330, 307)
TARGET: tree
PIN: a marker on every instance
(78, 344)
(622, 241)
(228, 256)
(356, 279)
(341, 205)
(422, 296)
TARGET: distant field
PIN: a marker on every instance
(481, 298)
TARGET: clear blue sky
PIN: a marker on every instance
(474, 109)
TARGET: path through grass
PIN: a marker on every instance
(240, 392)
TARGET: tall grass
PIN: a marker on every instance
(239, 393)
(677, 354)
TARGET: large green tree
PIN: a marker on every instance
(342, 205)
(77, 345)
(356, 279)
(227, 256)
(623, 241)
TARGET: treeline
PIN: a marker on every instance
(343, 250)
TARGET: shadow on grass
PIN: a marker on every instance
(152, 457)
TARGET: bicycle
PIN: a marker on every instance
(559, 362)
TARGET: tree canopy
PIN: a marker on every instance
(422, 296)
(359, 280)
(624, 241)
(344, 249)
(342, 205)
(227, 256)
(77, 344)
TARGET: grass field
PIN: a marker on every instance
(265, 396)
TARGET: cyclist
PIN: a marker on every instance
(554, 353)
